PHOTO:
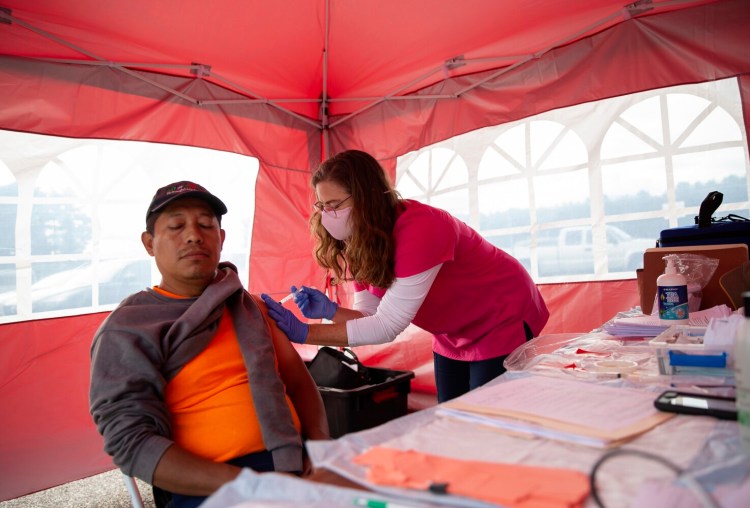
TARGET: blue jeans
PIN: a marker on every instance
(456, 377)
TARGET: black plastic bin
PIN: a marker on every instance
(380, 397)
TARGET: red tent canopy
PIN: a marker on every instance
(289, 82)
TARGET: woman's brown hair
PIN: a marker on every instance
(368, 255)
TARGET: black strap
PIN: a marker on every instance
(732, 217)
(709, 205)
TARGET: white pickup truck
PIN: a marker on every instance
(570, 251)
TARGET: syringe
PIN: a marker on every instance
(289, 296)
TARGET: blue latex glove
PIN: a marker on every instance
(314, 304)
(295, 329)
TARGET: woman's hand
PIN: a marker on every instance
(314, 304)
(295, 329)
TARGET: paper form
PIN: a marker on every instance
(522, 429)
(605, 412)
(651, 326)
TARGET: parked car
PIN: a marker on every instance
(570, 251)
(72, 289)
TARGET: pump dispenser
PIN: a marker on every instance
(672, 294)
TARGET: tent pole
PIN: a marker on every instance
(324, 140)
(323, 114)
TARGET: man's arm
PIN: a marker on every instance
(181, 471)
(301, 388)
(300, 385)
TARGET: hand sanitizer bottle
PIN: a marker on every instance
(742, 375)
(672, 294)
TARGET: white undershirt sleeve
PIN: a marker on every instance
(390, 316)
(366, 302)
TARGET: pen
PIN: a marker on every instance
(376, 503)
(289, 296)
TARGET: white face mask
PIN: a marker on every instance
(337, 223)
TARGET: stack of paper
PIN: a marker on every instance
(554, 408)
(651, 326)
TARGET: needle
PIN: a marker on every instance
(289, 296)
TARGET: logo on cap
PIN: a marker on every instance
(183, 187)
(170, 192)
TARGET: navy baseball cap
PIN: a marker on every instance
(184, 189)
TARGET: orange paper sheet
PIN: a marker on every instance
(511, 485)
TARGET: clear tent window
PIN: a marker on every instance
(72, 212)
(579, 193)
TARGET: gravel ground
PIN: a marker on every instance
(106, 490)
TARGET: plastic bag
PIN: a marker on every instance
(698, 270)
(332, 368)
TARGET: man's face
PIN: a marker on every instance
(186, 245)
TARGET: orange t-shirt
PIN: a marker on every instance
(210, 402)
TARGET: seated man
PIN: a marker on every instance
(190, 380)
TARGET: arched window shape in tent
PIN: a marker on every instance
(8, 215)
(718, 164)
(559, 160)
(438, 177)
(666, 151)
(579, 193)
(78, 240)
(520, 179)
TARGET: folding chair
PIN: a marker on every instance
(135, 494)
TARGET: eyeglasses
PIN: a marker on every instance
(328, 207)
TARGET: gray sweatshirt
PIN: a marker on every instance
(145, 342)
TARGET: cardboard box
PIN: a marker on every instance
(730, 256)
